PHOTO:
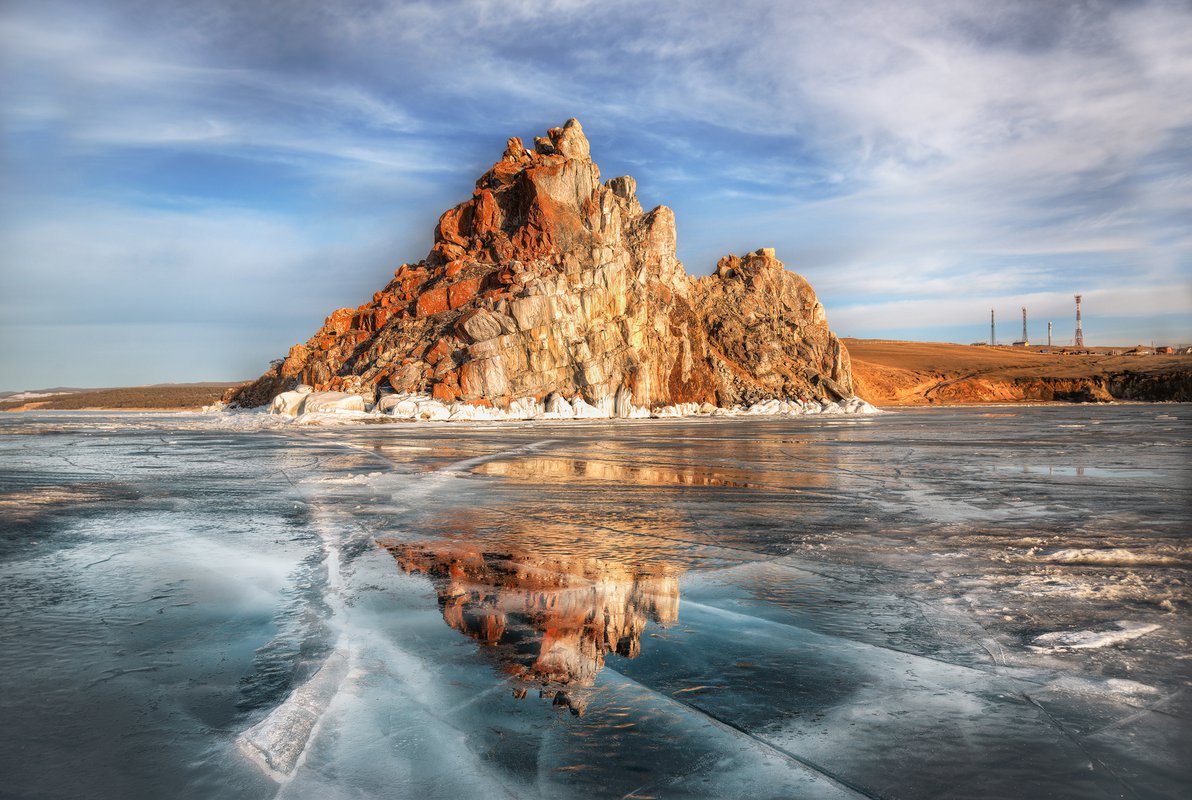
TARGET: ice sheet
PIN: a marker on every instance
(714, 606)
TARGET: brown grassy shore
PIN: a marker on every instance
(159, 397)
(893, 373)
(886, 373)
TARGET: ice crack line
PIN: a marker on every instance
(1076, 741)
(102, 560)
(468, 463)
(1141, 712)
(861, 644)
(278, 743)
(782, 751)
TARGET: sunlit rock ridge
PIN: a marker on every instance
(549, 284)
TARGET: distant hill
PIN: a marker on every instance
(162, 396)
(891, 373)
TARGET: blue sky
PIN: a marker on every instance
(186, 189)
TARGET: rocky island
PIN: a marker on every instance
(551, 293)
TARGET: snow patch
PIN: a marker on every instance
(1113, 687)
(1087, 640)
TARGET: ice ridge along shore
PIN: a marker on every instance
(310, 406)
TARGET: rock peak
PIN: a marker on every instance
(547, 283)
(570, 140)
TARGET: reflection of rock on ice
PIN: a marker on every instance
(550, 619)
(568, 468)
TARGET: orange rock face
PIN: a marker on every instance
(433, 301)
(460, 293)
(548, 280)
(445, 392)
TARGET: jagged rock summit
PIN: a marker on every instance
(550, 284)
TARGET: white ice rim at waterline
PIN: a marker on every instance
(309, 407)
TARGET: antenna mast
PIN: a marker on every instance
(1079, 332)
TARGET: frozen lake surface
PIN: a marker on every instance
(942, 603)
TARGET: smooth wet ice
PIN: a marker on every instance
(936, 603)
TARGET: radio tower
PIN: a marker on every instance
(1024, 339)
(1049, 334)
(1079, 332)
(992, 336)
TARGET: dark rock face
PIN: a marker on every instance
(1108, 388)
(547, 280)
(1175, 386)
(1153, 388)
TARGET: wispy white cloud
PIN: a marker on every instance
(102, 91)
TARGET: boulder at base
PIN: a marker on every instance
(331, 402)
